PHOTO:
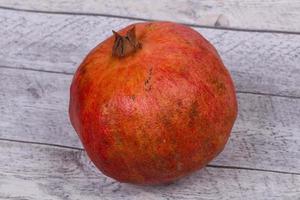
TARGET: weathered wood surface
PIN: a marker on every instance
(34, 107)
(35, 172)
(39, 52)
(252, 14)
(259, 62)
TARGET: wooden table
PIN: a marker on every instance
(42, 43)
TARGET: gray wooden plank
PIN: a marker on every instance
(34, 105)
(259, 62)
(253, 14)
(30, 171)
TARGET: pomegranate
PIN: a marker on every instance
(152, 103)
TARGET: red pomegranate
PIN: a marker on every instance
(152, 103)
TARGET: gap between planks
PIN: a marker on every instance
(67, 73)
(145, 19)
(209, 165)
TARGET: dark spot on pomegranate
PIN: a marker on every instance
(219, 85)
(132, 97)
(193, 113)
(147, 82)
(166, 122)
(136, 143)
(105, 142)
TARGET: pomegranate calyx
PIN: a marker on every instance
(125, 45)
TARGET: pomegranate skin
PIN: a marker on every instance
(157, 114)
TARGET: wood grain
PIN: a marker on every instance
(34, 107)
(258, 62)
(39, 52)
(30, 171)
(253, 14)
